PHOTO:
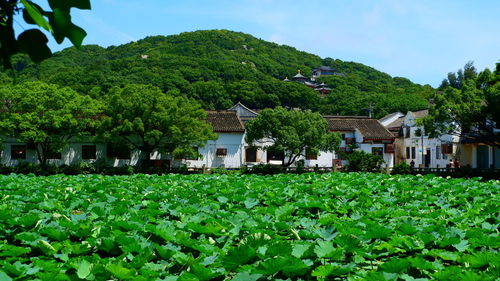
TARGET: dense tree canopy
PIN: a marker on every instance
(147, 119)
(467, 104)
(46, 115)
(220, 67)
(292, 132)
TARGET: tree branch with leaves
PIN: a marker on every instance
(33, 42)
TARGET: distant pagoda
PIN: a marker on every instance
(322, 88)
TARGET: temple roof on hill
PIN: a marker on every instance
(367, 127)
(324, 68)
(225, 121)
(299, 76)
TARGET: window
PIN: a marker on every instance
(221, 152)
(194, 155)
(89, 152)
(413, 152)
(18, 151)
(408, 155)
(438, 152)
(343, 136)
(378, 151)
(350, 141)
(118, 151)
(251, 154)
(407, 135)
(275, 155)
(389, 148)
(447, 148)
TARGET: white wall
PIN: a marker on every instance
(233, 142)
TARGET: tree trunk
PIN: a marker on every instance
(145, 161)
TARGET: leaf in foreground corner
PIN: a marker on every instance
(4, 276)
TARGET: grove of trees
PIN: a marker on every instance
(140, 116)
(467, 104)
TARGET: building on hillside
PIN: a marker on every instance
(325, 71)
(322, 88)
(414, 146)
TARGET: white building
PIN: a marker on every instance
(228, 151)
(414, 146)
(362, 133)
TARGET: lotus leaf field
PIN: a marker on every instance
(338, 226)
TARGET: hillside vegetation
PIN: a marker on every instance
(220, 68)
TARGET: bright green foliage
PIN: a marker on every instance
(46, 115)
(467, 104)
(292, 132)
(361, 161)
(351, 226)
(221, 67)
(147, 119)
(56, 20)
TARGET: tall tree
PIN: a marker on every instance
(148, 119)
(292, 132)
(46, 115)
(469, 110)
(56, 20)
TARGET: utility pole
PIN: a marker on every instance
(370, 109)
(422, 137)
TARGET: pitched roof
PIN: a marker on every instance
(420, 113)
(390, 115)
(368, 128)
(298, 76)
(225, 122)
(244, 113)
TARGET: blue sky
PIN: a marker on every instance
(419, 39)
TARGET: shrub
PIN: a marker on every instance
(401, 168)
(24, 167)
(360, 161)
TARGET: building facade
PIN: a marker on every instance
(229, 150)
(414, 147)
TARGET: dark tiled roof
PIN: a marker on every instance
(369, 128)
(225, 122)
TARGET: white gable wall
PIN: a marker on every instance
(233, 142)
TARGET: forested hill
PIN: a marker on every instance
(220, 67)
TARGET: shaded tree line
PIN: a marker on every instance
(139, 116)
